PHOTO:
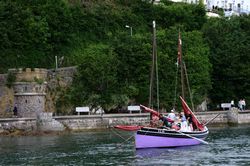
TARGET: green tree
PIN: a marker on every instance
(114, 68)
(33, 32)
(229, 43)
(195, 55)
(134, 55)
(96, 82)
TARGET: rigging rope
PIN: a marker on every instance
(189, 89)
(187, 80)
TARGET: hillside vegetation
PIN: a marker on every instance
(114, 67)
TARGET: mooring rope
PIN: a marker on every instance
(124, 139)
(118, 134)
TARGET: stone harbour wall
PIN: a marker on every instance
(47, 122)
(206, 116)
(82, 122)
(9, 125)
(244, 117)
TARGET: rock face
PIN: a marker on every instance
(58, 82)
(6, 97)
(6, 102)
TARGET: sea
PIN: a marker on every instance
(228, 145)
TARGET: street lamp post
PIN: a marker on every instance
(131, 30)
(56, 62)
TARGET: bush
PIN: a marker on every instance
(11, 78)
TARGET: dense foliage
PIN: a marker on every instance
(229, 42)
(114, 67)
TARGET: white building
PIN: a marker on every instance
(230, 7)
(236, 5)
(187, 1)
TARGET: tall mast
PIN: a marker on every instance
(154, 71)
(156, 67)
(181, 64)
(152, 76)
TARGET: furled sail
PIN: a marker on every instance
(187, 112)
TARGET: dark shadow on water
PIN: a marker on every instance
(151, 152)
(156, 152)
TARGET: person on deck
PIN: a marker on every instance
(172, 115)
(190, 122)
(183, 122)
(173, 119)
(165, 120)
(154, 121)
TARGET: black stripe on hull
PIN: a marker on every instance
(172, 133)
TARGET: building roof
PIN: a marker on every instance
(211, 14)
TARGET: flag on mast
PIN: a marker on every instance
(179, 58)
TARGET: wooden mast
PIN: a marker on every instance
(154, 72)
(181, 64)
(183, 69)
(152, 75)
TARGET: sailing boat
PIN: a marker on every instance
(151, 137)
(159, 137)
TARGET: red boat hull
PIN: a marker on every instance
(128, 128)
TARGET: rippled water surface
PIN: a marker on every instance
(227, 146)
